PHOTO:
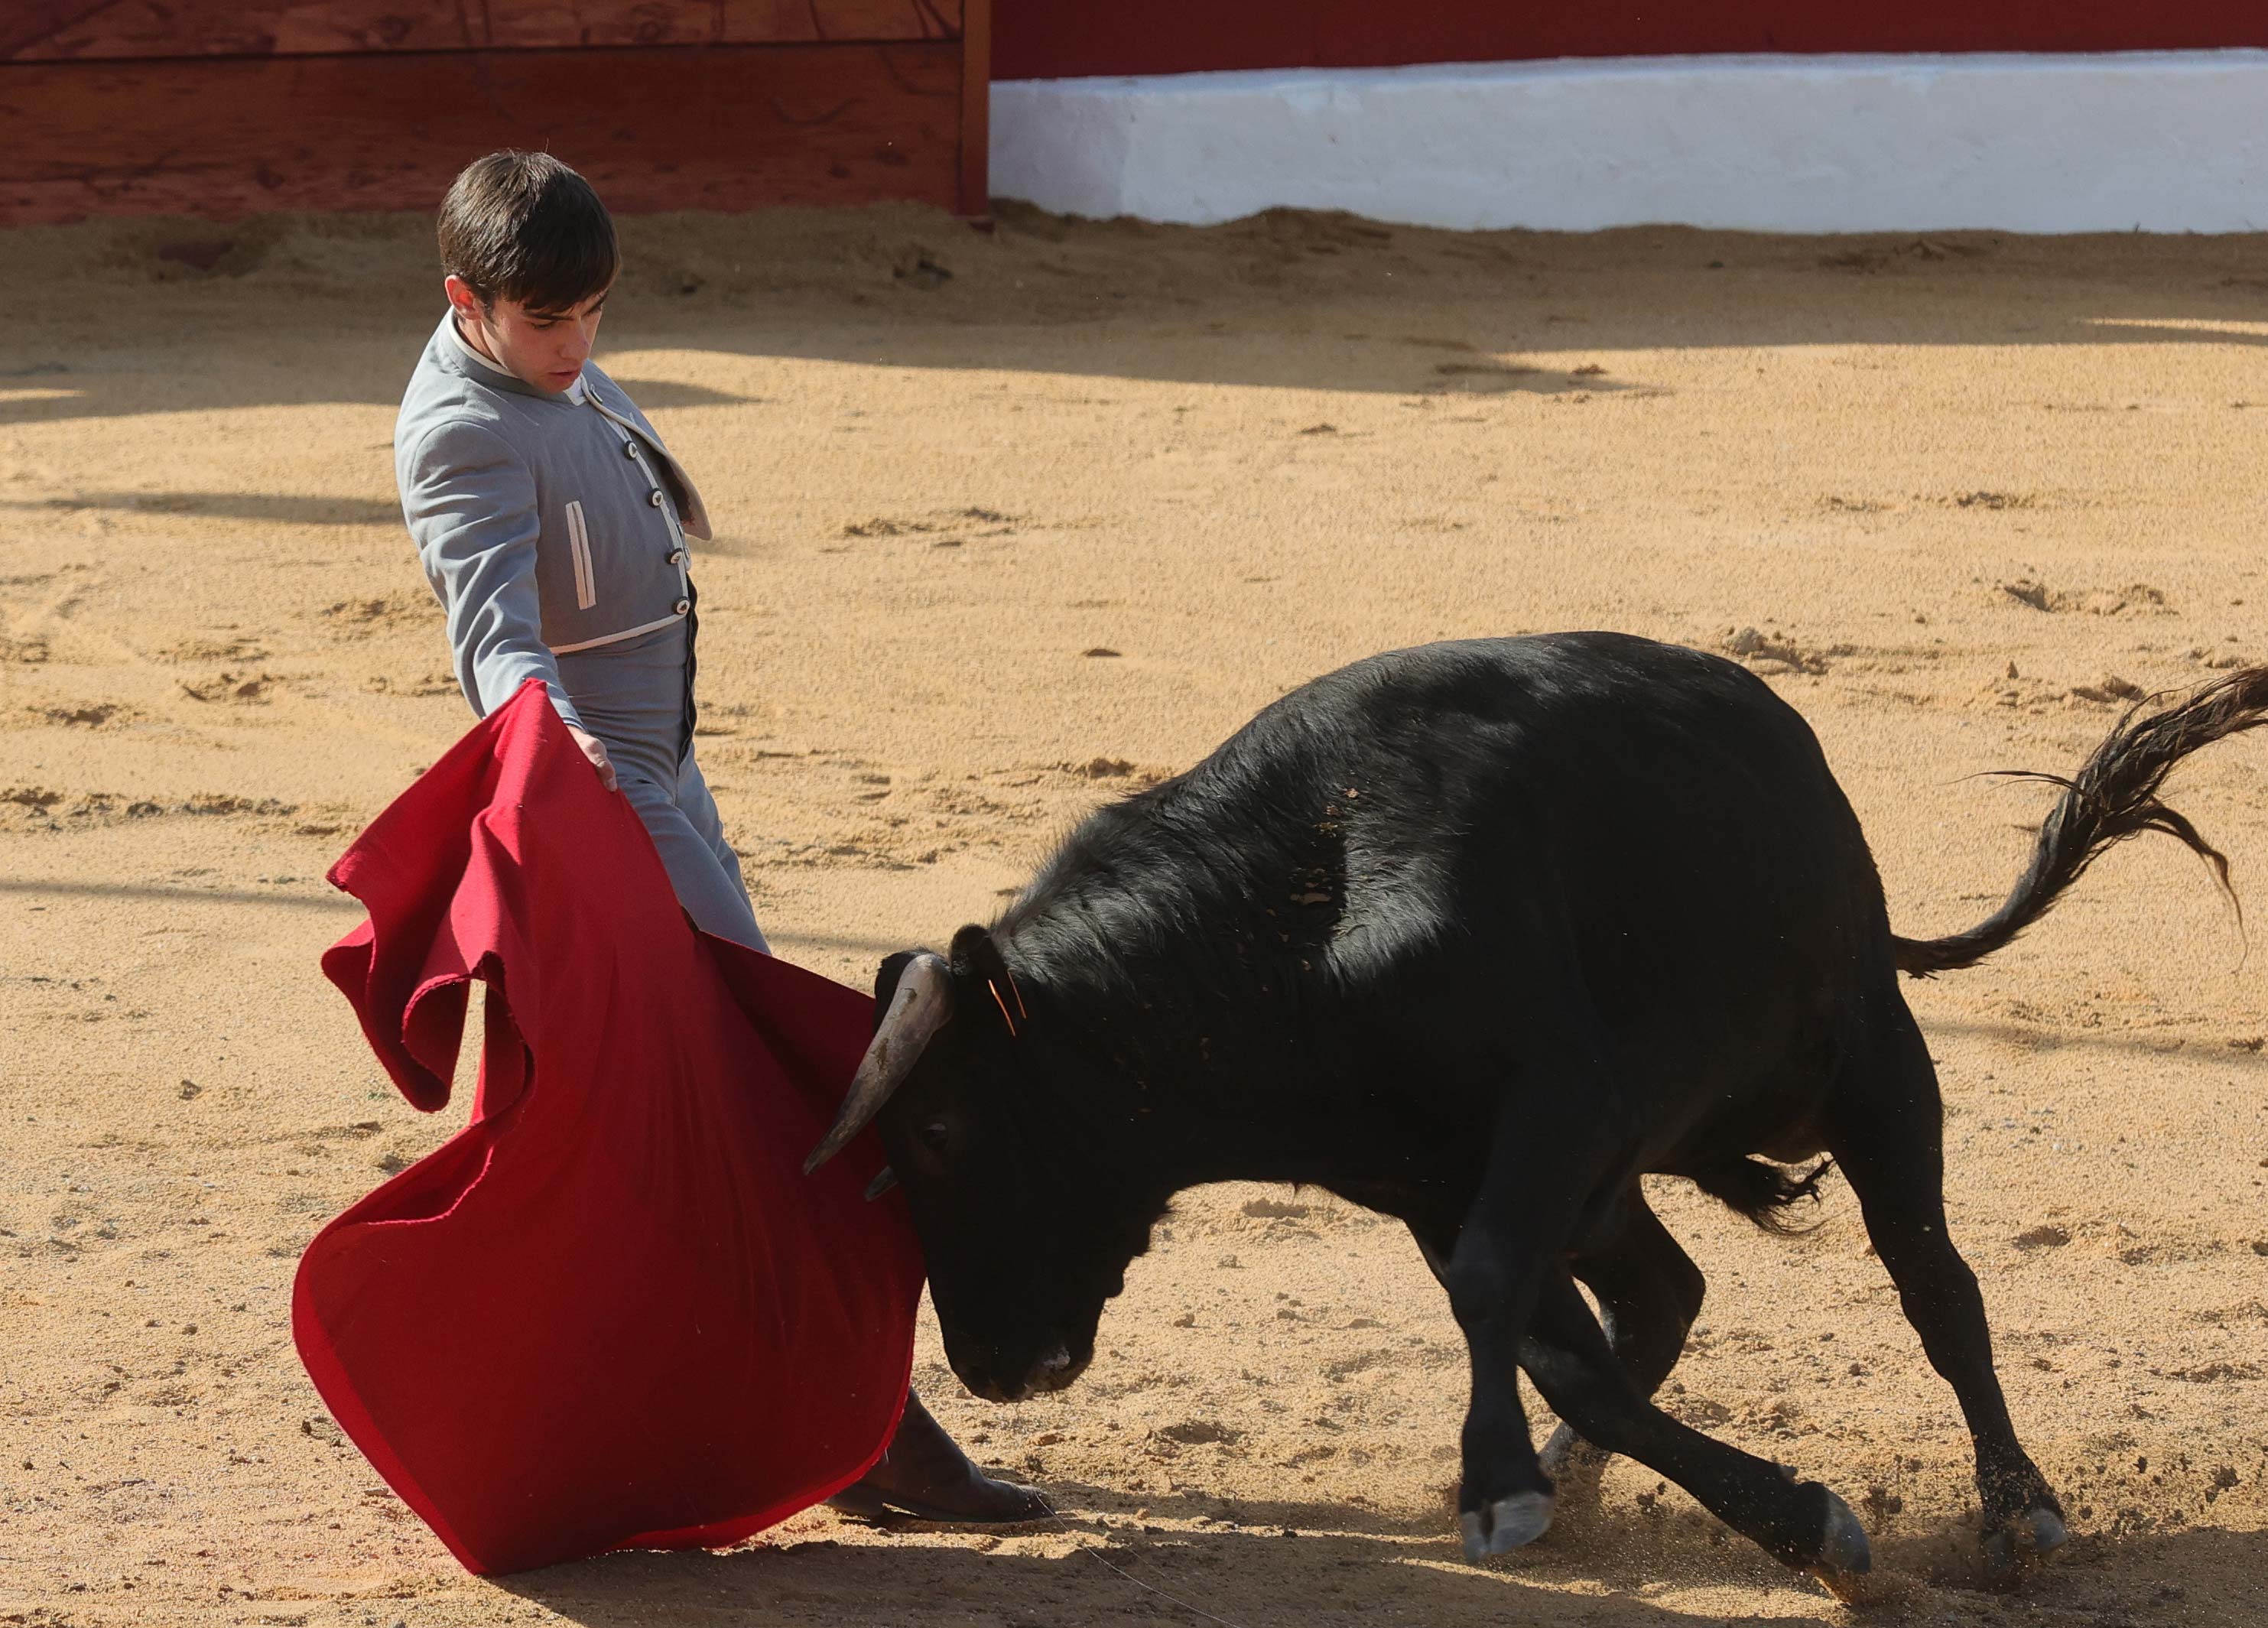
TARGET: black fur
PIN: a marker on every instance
(1761, 1191)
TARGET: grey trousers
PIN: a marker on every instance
(632, 697)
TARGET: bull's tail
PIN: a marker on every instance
(2114, 796)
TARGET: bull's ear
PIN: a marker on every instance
(975, 953)
(976, 956)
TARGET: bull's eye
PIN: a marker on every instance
(934, 1136)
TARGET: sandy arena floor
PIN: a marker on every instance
(1006, 523)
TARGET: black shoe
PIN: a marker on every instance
(924, 1474)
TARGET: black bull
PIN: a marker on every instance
(1476, 935)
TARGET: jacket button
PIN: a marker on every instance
(677, 556)
(654, 497)
(629, 449)
(683, 605)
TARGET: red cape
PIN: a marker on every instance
(612, 1311)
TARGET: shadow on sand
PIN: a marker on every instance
(2152, 1042)
(1284, 299)
(1283, 1563)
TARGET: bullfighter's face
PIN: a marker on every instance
(544, 348)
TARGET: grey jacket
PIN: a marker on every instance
(546, 523)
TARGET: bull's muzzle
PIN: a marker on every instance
(1060, 1369)
(1053, 1371)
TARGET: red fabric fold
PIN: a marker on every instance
(611, 1312)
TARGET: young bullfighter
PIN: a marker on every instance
(552, 522)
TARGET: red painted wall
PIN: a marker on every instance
(1059, 39)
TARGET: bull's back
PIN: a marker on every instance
(1384, 851)
(1679, 815)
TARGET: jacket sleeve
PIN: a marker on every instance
(470, 503)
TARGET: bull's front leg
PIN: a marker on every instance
(1540, 1166)
(1505, 1499)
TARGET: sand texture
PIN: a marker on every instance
(1006, 525)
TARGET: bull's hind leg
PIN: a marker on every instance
(1886, 1130)
(1588, 1385)
(1649, 1292)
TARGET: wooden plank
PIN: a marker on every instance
(81, 30)
(1060, 39)
(977, 110)
(721, 127)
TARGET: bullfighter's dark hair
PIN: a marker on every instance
(523, 226)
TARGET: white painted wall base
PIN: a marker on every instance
(2165, 141)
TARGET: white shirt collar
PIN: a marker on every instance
(573, 393)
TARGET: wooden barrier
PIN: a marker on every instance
(1063, 38)
(227, 107)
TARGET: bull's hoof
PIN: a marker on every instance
(1845, 1556)
(1507, 1524)
(2026, 1541)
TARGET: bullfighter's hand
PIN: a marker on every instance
(595, 749)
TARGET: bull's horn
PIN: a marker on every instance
(920, 1007)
